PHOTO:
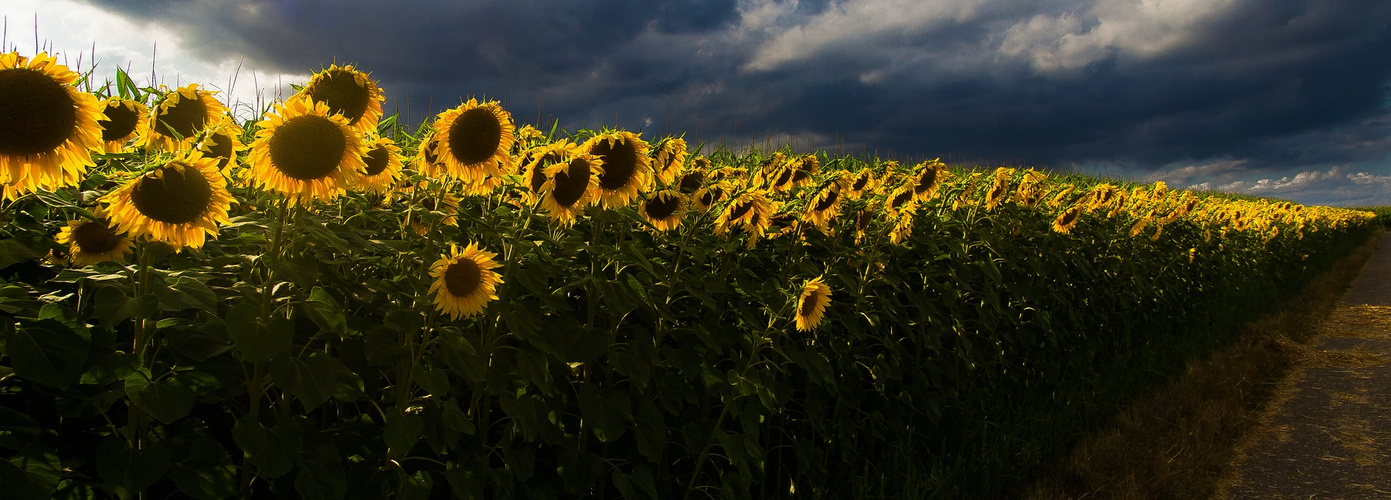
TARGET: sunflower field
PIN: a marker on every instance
(321, 303)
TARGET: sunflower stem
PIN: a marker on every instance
(255, 389)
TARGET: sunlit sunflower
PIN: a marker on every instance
(178, 203)
(537, 160)
(903, 227)
(305, 153)
(93, 241)
(803, 168)
(670, 157)
(771, 172)
(664, 209)
(824, 205)
(464, 281)
(627, 168)
(1068, 219)
(427, 161)
(223, 143)
(483, 186)
(900, 199)
(120, 121)
(929, 176)
(178, 118)
(708, 196)
(350, 93)
(811, 304)
(443, 202)
(863, 219)
(382, 160)
(475, 139)
(750, 210)
(784, 223)
(47, 127)
(528, 136)
(862, 182)
(691, 181)
(997, 192)
(570, 187)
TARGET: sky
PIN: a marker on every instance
(1288, 99)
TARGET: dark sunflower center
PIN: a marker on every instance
(1070, 217)
(571, 183)
(808, 306)
(711, 196)
(463, 277)
(691, 182)
(120, 122)
(36, 113)
(660, 208)
(620, 162)
(928, 179)
(429, 204)
(95, 238)
(180, 196)
(860, 183)
(786, 176)
(340, 91)
(474, 136)
(538, 172)
(185, 118)
(740, 210)
(307, 147)
(220, 147)
(377, 159)
(827, 201)
(901, 199)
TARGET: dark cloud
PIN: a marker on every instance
(1275, 83)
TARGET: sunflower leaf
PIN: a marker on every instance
(321, 475)
(272, 450)
(47, 352)
(130, 471)
(167, 399)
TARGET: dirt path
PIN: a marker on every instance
(1328, 430)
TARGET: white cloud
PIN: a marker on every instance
(844, 26)
(1138, 29)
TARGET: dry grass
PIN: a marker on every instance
(1180, 442)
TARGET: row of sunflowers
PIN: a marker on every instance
(362, 311)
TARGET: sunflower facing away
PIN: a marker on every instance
(222, 142)
(305, 153)
(464, 281)
(178, 118)
(47, 127)
(178, 203)
(350, 93)
(664, 209)
(93, 241)
(1068, 219)
(811, 304)
(570, 187)
(382, 161)
(627, 168)
(475, 139)
(929, 177)
(121, 119)
(670, 156)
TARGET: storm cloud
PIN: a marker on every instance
(1277, 87)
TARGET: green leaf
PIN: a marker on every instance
(206, 472)
(18, 429)
(651, 430)
(39, 472)
(255, 341)
(321, 475)
(401, 432)
(47, 352)
(315, 379)
(604, 415)
(272, 450)
(186, 293)
(167, 399)
(130, 471)
(325, 311)
(13, 252)
(467, 484)
(415, 486)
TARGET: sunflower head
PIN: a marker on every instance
(475, 139)
(381, 159)
(178, 118)
(929, 176)
(178, 203)
(811, 304)
(751, 211)
(464, 281)
(664, 209)
(669, 158)
(222, 142)
(691, 181)
(93, 241)
(570, 186)
(305, 153)
(627, 168)
(47, 127)
(350, 93)
(441, 206)
(120, 121)
(901, 199)
(824, 205)
(860, 183)
(537, 161)
(711, 194)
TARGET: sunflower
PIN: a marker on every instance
(570, 187)
(771, 171)
(350, 93)
(1068, 219)
(537, 160)
(47, 127)
(997, 192)
(664, 209)
(483, 186)
(464, 281)
(862, 182)
(670, 156)
(474, 140)
(627, 168)
(811, 304)
(305, 153)
(178, 203)
(93, 241)
(783, 223)
(901, 199)
(446, 203)
(427, 161)
(711, 194)
(382, 159)
(824, 206)
(178, 118)
(120, 120)
(222, 142)
(903, 227)
(930, 175)
(802, 169)
(863, 219)
(691, 181)
(751, 211)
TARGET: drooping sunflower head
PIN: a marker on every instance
(1068, 219)
(997, 192)
(824, 205)
(627, 168)
(863, 219)
(570, 186)
(178, 118)
(305, 153)
(811, 304)
(860, 183)
(475, 139)
(691, 181)
(350, 93)
(750, 210)
(222, 142)
(47, 127)
(901, 199)
(93, 241)
(664, 209)
(464, 281)
(120, 121)
(670, 157)
(427, 161)
(928, 178)
(712, 193)
(178, 203)
(537, 161)
(381, 159)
